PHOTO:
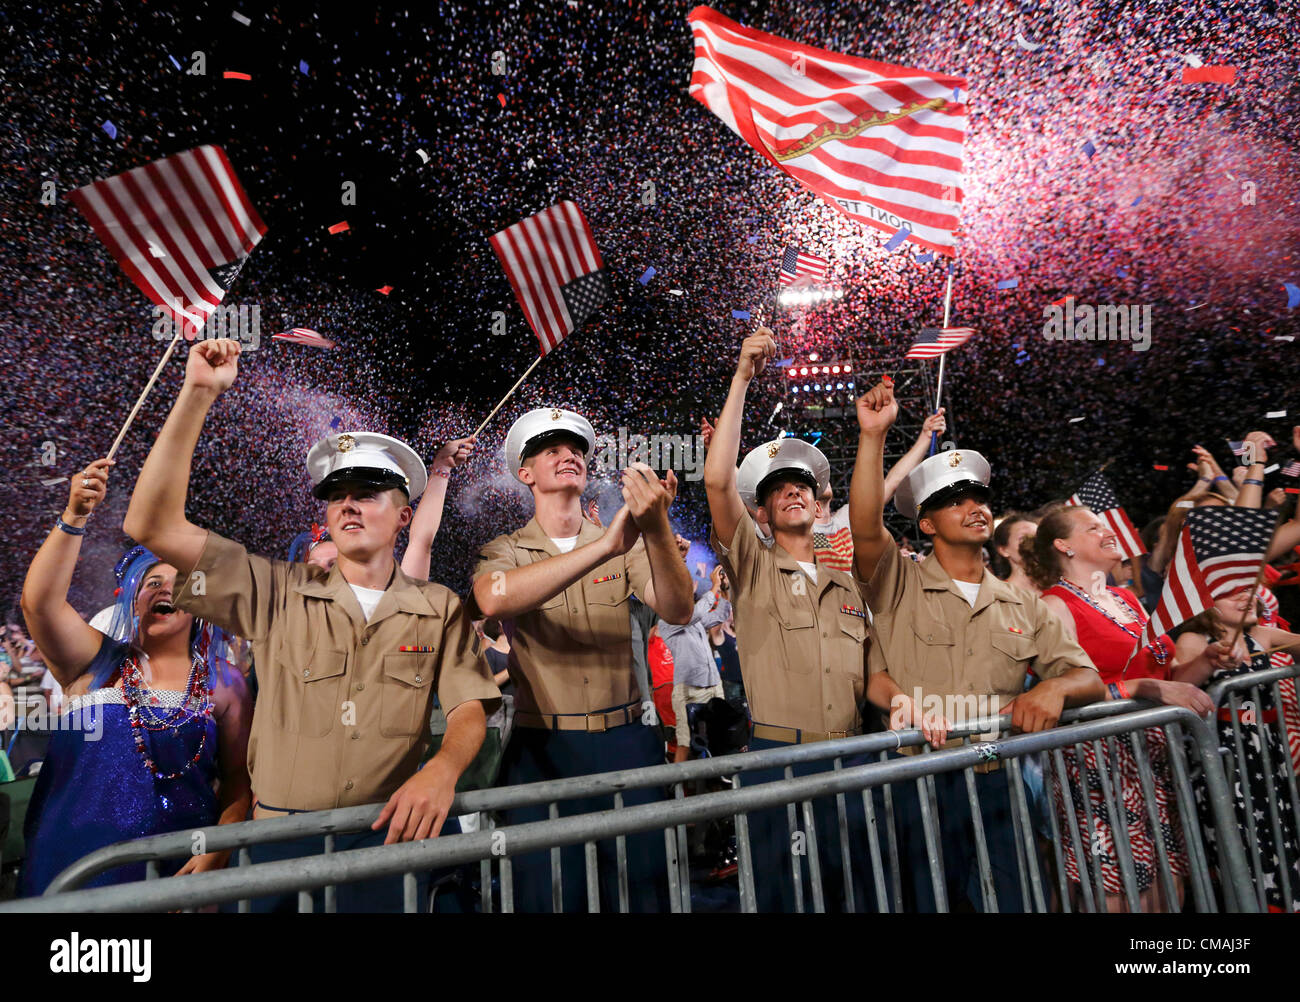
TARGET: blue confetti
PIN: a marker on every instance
(925, 258)
(956, 94)
(1136, 200)
(1101, 362)
(898, 239)
(336, 422)
(173, 59)
(1089, 149)
(752, 240)
(1292, 295)
(1009, 283)
(649, 274)
(302, 66)
(1122, 272)
(110, 128)
(740, 314)
(784, 363)
(399, 97)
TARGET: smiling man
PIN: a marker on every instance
(562, 588)
(348, 660)
(948, 628)
(801, 627)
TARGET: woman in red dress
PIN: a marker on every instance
(1070, 558)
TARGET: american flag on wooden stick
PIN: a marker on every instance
(180, 227)
(1219, 552)
(881, 143)
(796, 263)
(934, 341)
(305, 335)
(835, 549)
(555, 269)
(1098, 495)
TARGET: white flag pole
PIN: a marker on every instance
(508, 394)
(938, 392)
(144, 393)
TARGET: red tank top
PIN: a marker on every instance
(1105, 641)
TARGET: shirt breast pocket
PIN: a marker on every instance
(934, 652)
(308, 697)
(852, 643)
(1012, 654)
(798, 638)
(404, 703)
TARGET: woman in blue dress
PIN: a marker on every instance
(154, 733)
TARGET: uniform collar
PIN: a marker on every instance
(992, 588)
(533, 537)
(403, 594)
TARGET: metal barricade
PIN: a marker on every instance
(881, 786)
(1255, 743)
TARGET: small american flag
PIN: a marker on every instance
(796, 263)
(1292, 469)
(304, 335)
(1098, 495)
(180, 227)
(881, 143)
(934, 341)
(1219, 551)
(835, 549)
(555, 269)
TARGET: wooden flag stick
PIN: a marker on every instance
(144, 393)
(938, 392)
(508, 395)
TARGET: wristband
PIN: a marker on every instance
(445, 474)
(71, 530)
(1253, 482)
(1118, 691)
(1218, 478)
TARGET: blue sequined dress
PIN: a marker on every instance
(93, 792)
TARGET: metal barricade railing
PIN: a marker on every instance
(1097, 726)
(1256, 747)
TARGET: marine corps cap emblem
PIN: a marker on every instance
(346, 442)
(954, 459)
(772, 449)
(555, 414)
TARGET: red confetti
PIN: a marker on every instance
(1163, 469)
(232, 75)
(1061, 301)
(1209, 74)
(339, 227)
(385, 289)
(502, 99)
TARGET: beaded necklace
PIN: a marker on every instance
(197, 702)
(1158, 649)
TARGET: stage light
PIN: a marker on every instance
(794, 389)
(817, 386)
(814, 370)
(839, 386)
(792, 373)
(847, 367)
(805, 387)
(803, 371)
(850, 386)
(814, 357)
(835, 369)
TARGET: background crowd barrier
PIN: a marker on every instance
(1259, 721)
(1100, 727)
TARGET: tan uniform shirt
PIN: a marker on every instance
(573, 653)
(342, 714)
(801, 644)
(928, 637)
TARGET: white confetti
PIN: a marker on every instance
(240, 18)
(1026, 44)
(423, 156)
(1193, 60)
(53, 483)
(1275, 414)
(1076, 420)
(676, 292)
(1270, 469)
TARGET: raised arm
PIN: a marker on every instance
(1252, 488)
(506, 592)
(725, 506)
(935, 423)
(670, 592)
(428, 516)
(156, 515)
(877, 410)
(66, 640)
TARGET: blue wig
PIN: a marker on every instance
(303, 543)
(206, 639)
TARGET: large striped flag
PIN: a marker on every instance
(180, 227)
(1098, 495)
(934, 341)
(796, 263)
(1220, 551)
(882, 143)
(555, 269)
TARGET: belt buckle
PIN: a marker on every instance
(596, 718)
